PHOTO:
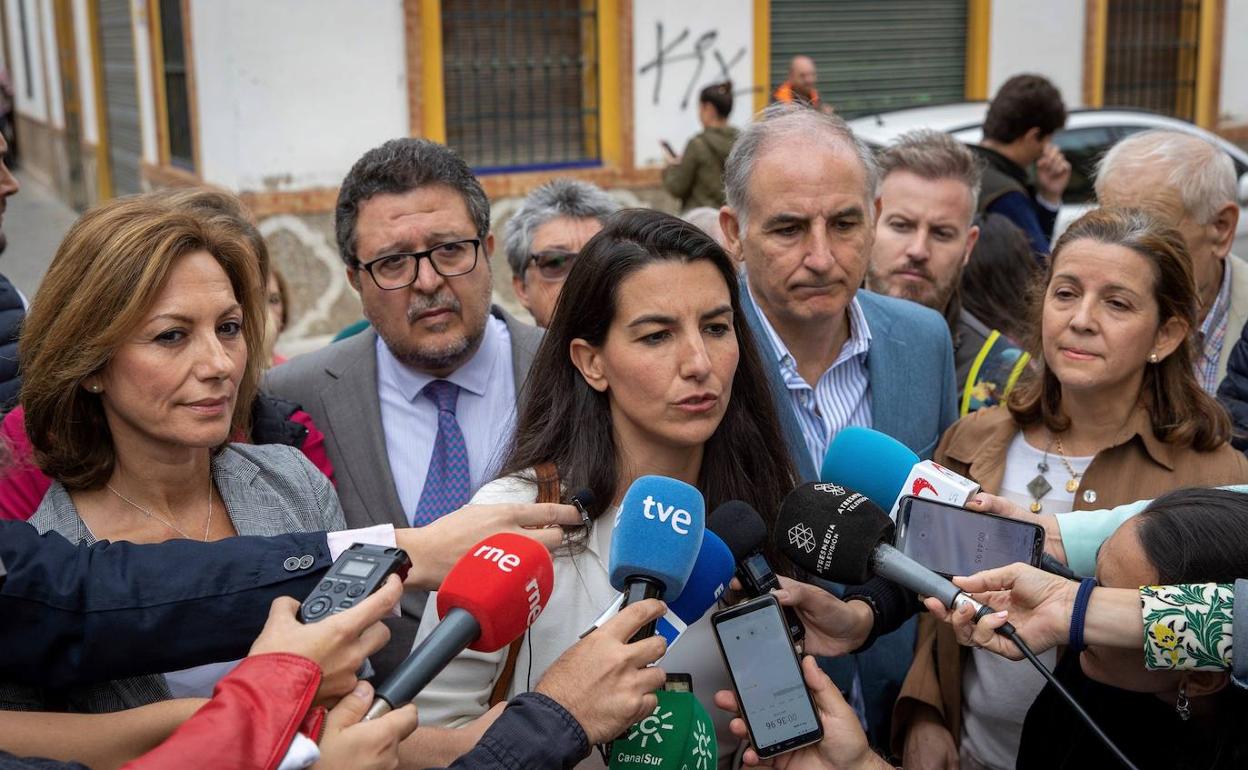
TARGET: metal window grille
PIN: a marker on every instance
(521, 82)
(1150, 55)
(177, 102)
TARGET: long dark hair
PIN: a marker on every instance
(999, 277)
(561, 419)
(1179, 409)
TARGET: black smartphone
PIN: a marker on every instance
(954, 541)
(354, 576)
(754, 641)
(666, 146)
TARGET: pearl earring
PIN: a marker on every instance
(96, 388)
(1152, 358)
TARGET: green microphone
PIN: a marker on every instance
(677, 735)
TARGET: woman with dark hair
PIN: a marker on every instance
(999, 276)
(696, 178)
(1111, 413)
(1170, 719)
(648, 371)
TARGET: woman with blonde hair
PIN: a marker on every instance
(141, 355)
(1113, 414)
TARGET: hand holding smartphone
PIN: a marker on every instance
(954, 541)
(778, 710)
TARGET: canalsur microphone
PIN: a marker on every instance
(838, 534)
(491, 595)
(677, 734)
(658, 533)
(745, 533)
(706, 583)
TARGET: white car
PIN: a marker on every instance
(1086, 137)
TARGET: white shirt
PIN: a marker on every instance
(486, 412)
(996, 692)
(581, 592)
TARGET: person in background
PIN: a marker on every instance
(924, 236)
(1112, 412)
(696, 177)
(12, 303)
(277, 304)
(801, 216)
(543, 237)
(1190, 185)
(143, 353)
(999, 277)
(800, 85)
(1018, 133)
(706, 219)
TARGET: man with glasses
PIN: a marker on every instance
(415, 409)
(543, 237)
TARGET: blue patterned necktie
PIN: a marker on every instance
(447, 482)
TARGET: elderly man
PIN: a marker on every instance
(837, 356)
(543, 237)
(1189, 184)
(414, 409)
(923, 238)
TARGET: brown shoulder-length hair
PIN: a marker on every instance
(100, 285)
(1181, 412)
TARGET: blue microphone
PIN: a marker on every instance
(871, 462)
(706, 583)
(658, 533)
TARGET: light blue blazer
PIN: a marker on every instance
(913, 399)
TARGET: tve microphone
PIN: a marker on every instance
(706, 583)
(658, 533)
(745, 533)
(677, 734)
(491, 595)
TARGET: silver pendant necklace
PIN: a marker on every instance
(162, 519)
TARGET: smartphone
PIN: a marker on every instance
(954, 541)
(754, 641)
(668, 148)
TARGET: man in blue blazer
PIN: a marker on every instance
(801, 193)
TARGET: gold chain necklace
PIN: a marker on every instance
(1073, 484)
(162, 519)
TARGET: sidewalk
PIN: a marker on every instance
(35, 221)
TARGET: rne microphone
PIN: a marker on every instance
(707, 582)
(658, 533)
(491, 595)
(745, 533)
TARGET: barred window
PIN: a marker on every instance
(177, 99)
(1150, 55)
(521, 82)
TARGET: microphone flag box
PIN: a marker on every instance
(929, 479)
(678, 734)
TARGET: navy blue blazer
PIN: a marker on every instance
(77, 614)
(913, 399)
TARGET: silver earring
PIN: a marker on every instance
(1152, 358)
(96, 388)
(1183, 706)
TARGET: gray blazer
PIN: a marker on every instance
(337, 385)
(268, 490)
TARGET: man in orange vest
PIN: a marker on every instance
(801, 84)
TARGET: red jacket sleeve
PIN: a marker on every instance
(314, 445)
(22, 485)
(251, 720)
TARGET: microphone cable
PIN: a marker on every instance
(1009, 632)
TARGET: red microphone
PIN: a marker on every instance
(492, 594)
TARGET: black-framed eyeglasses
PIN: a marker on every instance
(553, 265)
(398, 271)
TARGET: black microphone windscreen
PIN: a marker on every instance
(831, 531)
(740, 527)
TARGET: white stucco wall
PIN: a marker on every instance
(32, 104)
(291, 92)
(141, 25)
(1045, 38)
(86, 72)
(51, 62)
(1234, 107)
(667, 108)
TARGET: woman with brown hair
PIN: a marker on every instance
(141, 355)
(1112, 414)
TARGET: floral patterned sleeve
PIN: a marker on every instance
(1187, 627)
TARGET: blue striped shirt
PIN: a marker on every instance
(841, 397)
